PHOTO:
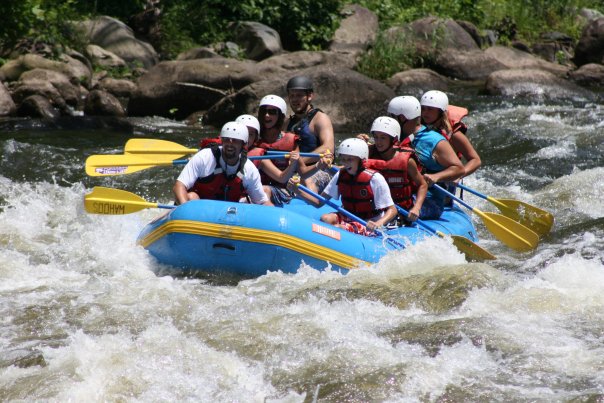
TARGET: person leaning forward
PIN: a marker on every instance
(221, 172)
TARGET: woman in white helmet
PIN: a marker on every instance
(398, 165)
(446, 119)
(437, 157)
(275, 173)
(221, 173)
(364, 192)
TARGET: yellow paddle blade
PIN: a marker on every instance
(470, 249)
(153, 146)
(510, 232)
(533, 217)
(109, 201)
(121, 164)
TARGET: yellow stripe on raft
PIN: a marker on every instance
(253, 235)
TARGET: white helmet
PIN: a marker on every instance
(355, 147)
(250, 121)
(276, 101)
(234, 130)
(436, 99)
(406, 105)
(386, 125)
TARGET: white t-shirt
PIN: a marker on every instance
(203, 164)
(381, 192)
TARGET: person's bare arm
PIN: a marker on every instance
(462, 144)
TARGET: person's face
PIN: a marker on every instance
(231, 148)
(269, 116)
(351, 163)
(299, 100)
(430, 114)
(253, 136)
(382, 141)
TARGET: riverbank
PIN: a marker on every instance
(120, 75)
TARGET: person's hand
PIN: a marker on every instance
(294, 156)
(292, 183)
(364, 137)
(413, 214)
(429, 179)
(372, 226)
(325, 161)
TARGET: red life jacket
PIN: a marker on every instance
(219, 186)
(456, 114)
(287, 142)
(356, 193)
(208, 142)
(256, 152)
(396, 173)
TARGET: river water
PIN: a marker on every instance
(87, 315)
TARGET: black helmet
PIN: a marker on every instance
(299, 83)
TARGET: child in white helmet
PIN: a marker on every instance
(364, 192)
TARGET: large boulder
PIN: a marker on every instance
(103, 58)
(38, 106)
(337, 92)
(534, 84)
(258, 40)
(7, 105)
(589, 75)
(357, 31)
(590, 48)
(102, 103)
(286, 62)
(68, 91)
(75, 70)
(179, 88)
(116, 37)
(417, 81)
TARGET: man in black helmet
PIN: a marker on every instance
(311, 124)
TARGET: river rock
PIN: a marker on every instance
(75, 70)
(118, 87)
(179, 88)
(533, 83)
(102, 103)
(417, 81)
(7, 105)
(45, 89)
(103, 58)
(588, 75)
(358, 29)
(258, 40)
(590, 48)
(284, 63)
(116, 37)
(38, 106)
(351, 99)
(69, 91)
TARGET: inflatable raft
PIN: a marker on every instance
(250, 240)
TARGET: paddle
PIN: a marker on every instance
(153, 146)
(315, 155)
(345, 212)
(538, 220)
(466, 246)
(122, 164)
(508, 231)
(109, 201)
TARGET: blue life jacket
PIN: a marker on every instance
(308, 140)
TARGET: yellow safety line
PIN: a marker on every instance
(253, 235)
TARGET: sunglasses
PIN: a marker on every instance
(269, 111)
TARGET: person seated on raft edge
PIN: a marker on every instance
(435, 154)
(275, 173)
(313, 126)
(364, 192)
(399, 166)
(221, 172)
(438, 115)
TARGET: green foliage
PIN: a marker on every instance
(390, 54)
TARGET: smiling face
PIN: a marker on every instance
(299, 100)
(430, 114)
(231, 149)
(382, 141)
(269, 115)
